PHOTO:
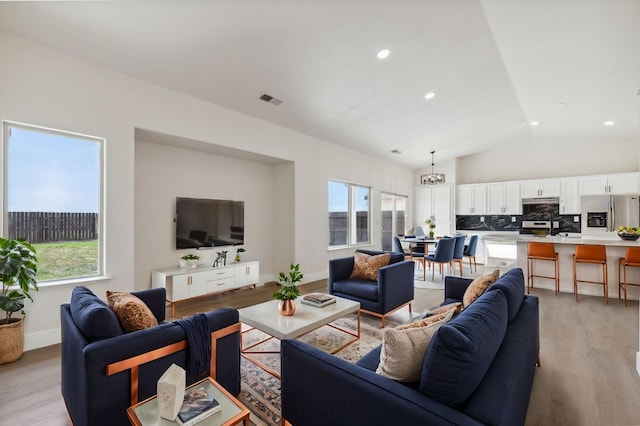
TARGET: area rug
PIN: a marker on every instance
(260, 391)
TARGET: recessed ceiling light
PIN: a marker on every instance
(534, 123)
(430, 95)
(609, 123)
(395, 151)
(562, 104)
(384, 53)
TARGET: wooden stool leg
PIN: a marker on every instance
(606, 282)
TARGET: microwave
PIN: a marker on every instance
(596, 219)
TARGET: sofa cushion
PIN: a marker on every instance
(132, 312)
(403, 347)
(462, 350)
(512, 285)
(393, 256)
(478, 286)
(93, 316)
(366, 266)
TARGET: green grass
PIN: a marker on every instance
(70, 259)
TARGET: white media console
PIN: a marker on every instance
(188, 283)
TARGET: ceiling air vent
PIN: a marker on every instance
(270, 99)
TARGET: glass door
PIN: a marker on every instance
(393, 210)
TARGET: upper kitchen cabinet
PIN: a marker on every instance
(570, 198)
(541, 188)
(503, 198)
(471, 199)
(434, 201)
(616, 184)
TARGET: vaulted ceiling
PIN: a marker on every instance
(495, 66)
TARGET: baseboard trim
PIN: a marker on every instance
(41, 339)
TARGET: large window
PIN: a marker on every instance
(53, 198)
(348, 214)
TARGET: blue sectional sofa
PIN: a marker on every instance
(391, 291)
(478, 369)
(94, 350)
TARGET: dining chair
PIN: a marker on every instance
(443, 255)
(458, 252)
(397, 247)
(470, 252)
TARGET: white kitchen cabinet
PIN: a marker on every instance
(615, 184)
(541, 188)
(570, 198)
(188, 283)
(503, 198)
(434, 201)
(471, 199)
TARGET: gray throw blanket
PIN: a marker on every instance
(196, 328)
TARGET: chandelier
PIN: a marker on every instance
(432, 178)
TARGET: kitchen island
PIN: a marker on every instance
(565, 247)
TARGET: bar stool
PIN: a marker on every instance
(594, 254)
(542, 251)
(632, 258)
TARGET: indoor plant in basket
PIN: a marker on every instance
(18, 268)
(289, 290)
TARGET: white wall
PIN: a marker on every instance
(163, 173)
(43, 87)
(548, 159)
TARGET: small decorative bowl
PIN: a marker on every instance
(629, 237)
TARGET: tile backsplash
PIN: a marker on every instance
(511, 222)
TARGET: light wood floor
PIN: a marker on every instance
(587, 377)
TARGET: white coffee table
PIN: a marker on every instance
(266, 318)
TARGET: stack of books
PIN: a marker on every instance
(318, 300)
(197, 405)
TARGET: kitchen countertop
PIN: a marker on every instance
(610, 239)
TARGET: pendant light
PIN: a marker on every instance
(432, 178)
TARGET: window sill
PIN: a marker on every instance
(72, 281)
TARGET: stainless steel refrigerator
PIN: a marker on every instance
(623, 210)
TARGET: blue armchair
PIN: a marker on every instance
(102, 375)
(391, 291)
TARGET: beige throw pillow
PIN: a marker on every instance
(366, 266)
(133, 314)
(403, 347)
(478, 286)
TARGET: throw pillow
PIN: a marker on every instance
(477, 287)
(366, 266)
(456, 306)
(132, 312)
(92, 315)
(403, 347)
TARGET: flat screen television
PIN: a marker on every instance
(208, 223)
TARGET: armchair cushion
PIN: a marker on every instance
(93, 316)
(366, 266)
(132, 312)
(462, 350)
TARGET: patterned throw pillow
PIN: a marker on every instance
(366, 266)
(403, 347)
(478, 286)
(456, 306)
(133, 314)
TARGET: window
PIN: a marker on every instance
(53, 198)
(394, 210)
(348, 214)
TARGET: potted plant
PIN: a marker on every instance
(431, 223)
(288, 290)
(190, 260)
(238, 257)
(18, 268)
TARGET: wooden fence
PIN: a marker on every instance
(41, 227)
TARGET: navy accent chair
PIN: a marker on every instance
(458, 252)
(470, 252)
(443, 255)
(391, 291)
(97, 391)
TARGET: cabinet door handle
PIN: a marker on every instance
(222, 283)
